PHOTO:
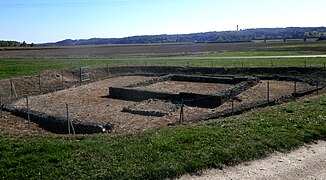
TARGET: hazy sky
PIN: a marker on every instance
(53, 20)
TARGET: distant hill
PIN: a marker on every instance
(206, 37)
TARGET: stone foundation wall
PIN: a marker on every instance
(59, 125)
(212, 100)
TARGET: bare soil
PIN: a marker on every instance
(145, 50)
(175, 87)
(90, 103)
(113, 51)
(257, 93)
(307, 162)
(19, 126)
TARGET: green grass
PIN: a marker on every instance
(22, 67)
(164, 153)
(260, 53)
(311, 48)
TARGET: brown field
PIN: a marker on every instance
(140, 50)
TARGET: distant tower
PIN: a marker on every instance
(237, 27)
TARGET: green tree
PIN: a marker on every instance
(23, 44)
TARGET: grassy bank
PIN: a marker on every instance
(22, 67)
(164, 153)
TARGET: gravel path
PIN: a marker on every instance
(307, 162)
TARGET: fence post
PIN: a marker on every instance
(108, 69)
(232, 105)
(305, 66)
(67, 110)
(13, 90)
(61, 78)
(181, 119)
(295, 89)
(1, 105)
(28, 113)
(39, 82)
(272, 63)
(11, 87)
(268, 89)
(80, 74)
(317, 84)
(324, 70)
(72, 127)
(242, 65)
(69, 122)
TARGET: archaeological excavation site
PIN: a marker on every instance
(140, 98)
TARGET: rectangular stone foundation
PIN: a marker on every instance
(211, 100)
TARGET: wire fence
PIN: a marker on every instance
(66, 117)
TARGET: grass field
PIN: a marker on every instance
(260, 53)
(21, 62)
(164, 153)
(22, 67)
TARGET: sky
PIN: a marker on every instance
(39, 21)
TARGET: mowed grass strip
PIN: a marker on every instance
(260, 53)
(163, 153)
(25, 67)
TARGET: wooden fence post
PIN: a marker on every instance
(13, 90)
(108, 70)
(232, 105)
(39, 82)
(181, 119)
(67, 111)
(317, 84)
(1, 105)
(268, 92)
(28, 113)
(80, 74)
(295, 89)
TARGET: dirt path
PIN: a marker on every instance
(307, 162)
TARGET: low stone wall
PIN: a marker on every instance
(237, 89)
(138, 95)
(149, 82)
(246, 107)
(59, 125)
(145, 113)
(151, 107)
(212, 100)
(204, 79)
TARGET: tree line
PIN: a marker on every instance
(245, 35)
(15, 44)
(205, 37)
